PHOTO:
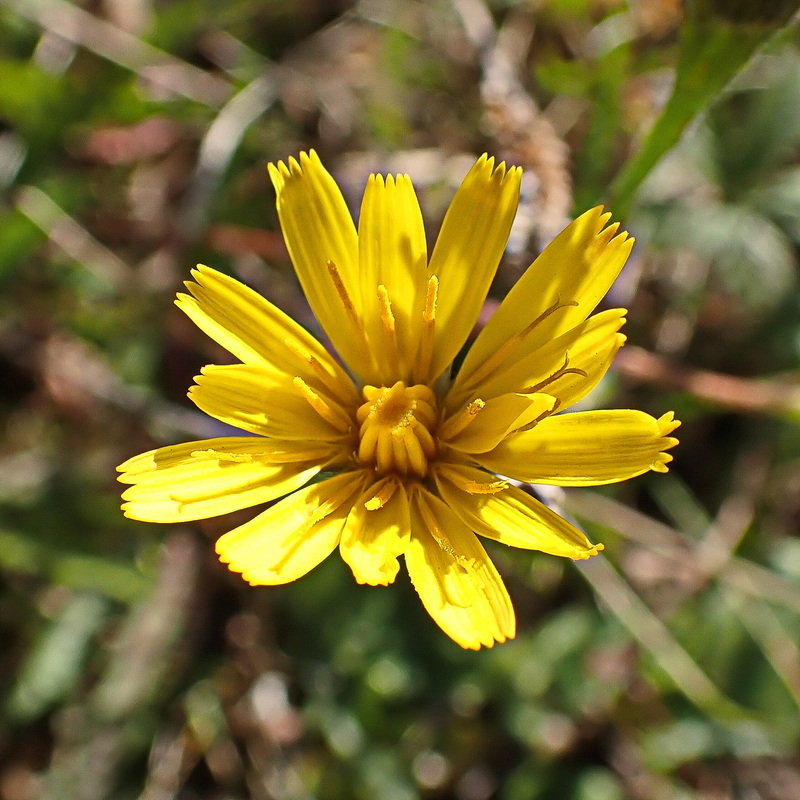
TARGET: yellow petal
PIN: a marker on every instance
(496, 419)
(472, 241)
(559, 290)
(510, 515)
(257, 332)
(587, 448)
(457, 583)
(204, 479)
(318, 229)
(377, 532)
(567, 367)
(264, 402)
(393, 255)
(289, 539)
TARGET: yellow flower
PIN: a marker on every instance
(414, 452)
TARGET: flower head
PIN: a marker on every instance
(413, 454)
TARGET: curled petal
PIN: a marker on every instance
(257, 332)
(496, 419)
(567, 367)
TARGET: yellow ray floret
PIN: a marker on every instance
(586, 448)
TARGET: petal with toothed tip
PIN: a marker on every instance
(586, 448)
(467, 253)
(560, 289)
(319, 229)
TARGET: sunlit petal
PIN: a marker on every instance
(319, 229)
(457, 583)
(257, 332)
(587, 448)
(203, 479)
(264, 402)
(559, 290)
(509, 515)
(377, 532)
(468, 250)
(392, 262)
(567, 367)
(290, 538)
(495, 420)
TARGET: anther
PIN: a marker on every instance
(453, 426)
(492, 487)
(341, 290)
(458, 479)
(350, 311)
(389, 328)
(428, 330)
(340, 388)
(382, 496)
(330, 413)
(431, 295)
(217, 455)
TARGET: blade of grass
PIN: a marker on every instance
(717, 40)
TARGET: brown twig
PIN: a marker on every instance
(763, 396)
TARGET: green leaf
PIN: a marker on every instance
(54, 664)
(717, 40)
(81, 571)
(19, 237)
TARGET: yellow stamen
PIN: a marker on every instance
(389, 329)
(428, 330)
(342, 390)
(453, 426)
(329, 412)
(396, 429)
(350, 311)
(272, 454)
(341, 290)
(493, 487)
(382, 496)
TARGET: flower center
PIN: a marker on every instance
(397, 426)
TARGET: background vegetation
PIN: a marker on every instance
(133, 140)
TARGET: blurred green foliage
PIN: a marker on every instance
(133, 138)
